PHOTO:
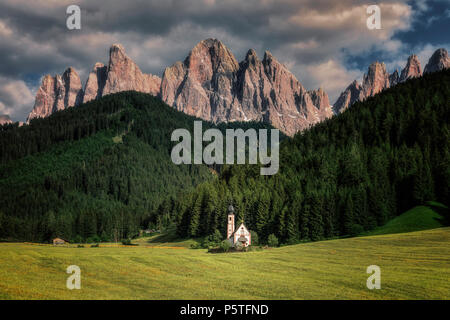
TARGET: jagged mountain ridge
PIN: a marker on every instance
(121, 74)
(211, 84)
(377, 78)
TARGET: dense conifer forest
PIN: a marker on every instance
(348, 174)
(96, 172)
(102, 171)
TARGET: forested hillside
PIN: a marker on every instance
(346, 175)
(100, 171)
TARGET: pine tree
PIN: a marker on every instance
(262, 212)
(194, 222)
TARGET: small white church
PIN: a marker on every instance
(240, 235)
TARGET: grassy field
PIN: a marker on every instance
(425, 217)
(413, 265)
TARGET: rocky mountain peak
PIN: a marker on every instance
(212, 85)
(320, 100)
(412, 69)
(438, 61)
(209, 56)
(394, 78)
(375, 80)
(117, 52)
(251, 57)
(57, 93)
(73, 90)
(5, 119)
(62, 91)
(123, 74)
(202, 86)
(267, 55)
(95, 83)
(349, 96)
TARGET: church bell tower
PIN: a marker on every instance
(230, 226)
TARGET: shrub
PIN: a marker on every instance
(272, 240)
(126, 242)
(104, 237)
(356, 229)
(80, 246)
(205, 244)
(225, 246)
(95, 245)
(77, 239)
(213, 240)
(90, 240)
(254, 237)
(195, 246)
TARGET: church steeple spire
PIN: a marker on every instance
(230, 226)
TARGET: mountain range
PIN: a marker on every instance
(377, 78)
(212, 85)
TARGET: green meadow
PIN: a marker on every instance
(414, 265)
(429, 216)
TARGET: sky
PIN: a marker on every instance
(323, 43)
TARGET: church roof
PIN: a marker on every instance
(230, 208)
(239, 228)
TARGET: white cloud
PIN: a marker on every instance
(15, 98)
(332, 76)
(5, 31)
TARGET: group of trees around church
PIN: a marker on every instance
(348, 174)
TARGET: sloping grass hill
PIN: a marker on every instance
(418, 218)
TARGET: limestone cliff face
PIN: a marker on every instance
(95, 82)
(350, 95)
(123, 74)
(320, 100)
(57, 93)
(412, 69)
(377, 79)
(212, 85)
(374, 81)
(394, 78)
(438, 61)
(202, 85)
(72, 88)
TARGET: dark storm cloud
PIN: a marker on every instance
(307, 35)
(251, 20)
